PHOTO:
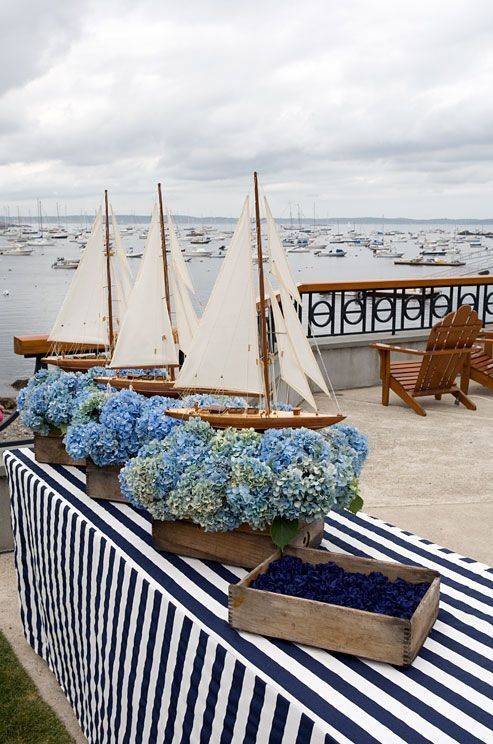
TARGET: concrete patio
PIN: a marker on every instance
(432, 476)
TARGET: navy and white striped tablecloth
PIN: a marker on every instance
(140, 643)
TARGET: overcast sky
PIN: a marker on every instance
(365, 107)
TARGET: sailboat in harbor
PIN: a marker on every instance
(146, 339)
(230, 351)
(89, 320)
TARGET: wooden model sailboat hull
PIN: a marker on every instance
(257, 419)
(144, 385)
(76, 363)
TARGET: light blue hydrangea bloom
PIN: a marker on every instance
(221, 479)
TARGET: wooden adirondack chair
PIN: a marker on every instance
(481, 366)
(447, 351)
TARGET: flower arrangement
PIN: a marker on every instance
(110, 427)
(223, 479)
(51, 397)
(327, 582)
(104, 427)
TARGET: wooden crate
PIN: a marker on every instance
(50, 450)
(241, 547)
(335, 628)
(102, 482)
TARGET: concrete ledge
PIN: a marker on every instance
(349, 361)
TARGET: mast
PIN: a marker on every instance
(263, 319)
(165, 262)
(111, 336)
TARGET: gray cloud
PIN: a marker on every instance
(361, 107)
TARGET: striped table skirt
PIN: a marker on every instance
(140, 643)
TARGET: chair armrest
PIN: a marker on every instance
(400, 349)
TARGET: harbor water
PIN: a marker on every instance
(31, 290)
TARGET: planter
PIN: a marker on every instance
(50, 450)
(241, 547)
(343, 629)
(102, 482)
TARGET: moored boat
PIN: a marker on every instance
(146, 339)
(93, 308)
(229, 353)
(65, 263)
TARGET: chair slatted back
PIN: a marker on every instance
(457, 330)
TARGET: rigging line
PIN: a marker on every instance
(327, 377)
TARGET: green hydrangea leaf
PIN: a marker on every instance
(282, 531)
(356, 504)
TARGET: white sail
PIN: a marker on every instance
(179, 266)
(181, 287)
(121, 265)
(185, 317)
(146, 336)
(291, 371)
(83, 316)
(224, 355)
(278, 261)
(299, 341)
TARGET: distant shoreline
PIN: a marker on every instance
(306, 221)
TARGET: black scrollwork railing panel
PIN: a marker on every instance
(390, 310)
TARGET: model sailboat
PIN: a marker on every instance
(146, 338)
(229, 355)
(96, 301)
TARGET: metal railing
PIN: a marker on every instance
(390, 306)
(4, 425)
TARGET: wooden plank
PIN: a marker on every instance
(462, 281)
(422, 621)
(340, 629)
(50, 450)
(102, 482)
(39, 345)
(241, 547)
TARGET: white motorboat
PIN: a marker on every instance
(17, 250)
(200, 240)
(387, 253)
(199, 253)
(40, 242)
(65, 263)
(332, 253)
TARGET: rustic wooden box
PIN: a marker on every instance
(103, 483)
(50, 450)
(335, 628)
(241, 547)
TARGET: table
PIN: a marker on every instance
(139, 641)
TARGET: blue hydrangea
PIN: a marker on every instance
(117, 425)
(141, 476)
(348, 451)
(249, 492)
(356, 440)
(153, 372)
(221, 479)
(153, 422)
(200, 496)
(95, 441)
(50, 399)
(283, 447)
(203, 400)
